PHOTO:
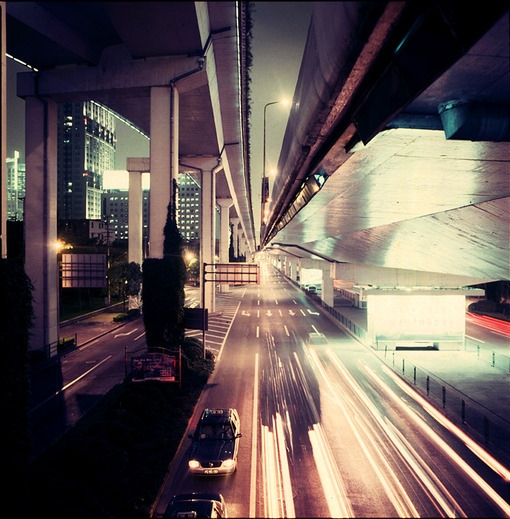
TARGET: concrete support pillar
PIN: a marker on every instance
(3, 133)
(207, 234)
(328, 285)
(164, 161)
(136, 167)
(135, 218)
(225, 205)
(244, 245)
(235, 235)
(41, 263)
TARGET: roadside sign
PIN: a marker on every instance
(235, 273)
(153, 366)
(196, 318)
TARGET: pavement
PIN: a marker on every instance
(469, 387)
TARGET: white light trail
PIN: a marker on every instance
(471, 444)
(254, 433)
(334, 491)
(288, 499)
(392, 486)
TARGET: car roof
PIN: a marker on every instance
(195, 504)
(217, 415)
(317, 338)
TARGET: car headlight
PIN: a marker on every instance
(193, 464)
(229, 464)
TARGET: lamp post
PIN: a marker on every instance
(265, 189)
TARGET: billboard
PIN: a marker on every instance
(83, 270)
(153, 366)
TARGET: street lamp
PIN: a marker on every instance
(265, 180)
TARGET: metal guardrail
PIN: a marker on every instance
(477, 420)
(494, 358)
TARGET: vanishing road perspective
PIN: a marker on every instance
(358, 378)
(328, 428)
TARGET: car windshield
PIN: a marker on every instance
(216, 432)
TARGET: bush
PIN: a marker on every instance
(112, 463)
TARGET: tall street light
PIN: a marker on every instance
(265, 180)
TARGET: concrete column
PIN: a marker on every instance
(164, 162)
(235, 235)
(135, 218)
(225, 205)
(3, 133)
(41, 263)
(242, 244)
(208, 234)
(328, 285)
(136, 166)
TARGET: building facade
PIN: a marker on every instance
(116, 213)
(15, 188)
(86, 149)
(188, 208)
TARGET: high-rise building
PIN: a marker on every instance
(86, 149)
(188, 207)
(15, 188)
(116, 213)
(116, 210)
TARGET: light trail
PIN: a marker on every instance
(254, 434)
(435, 489)
(489, 460)
(334, 493)
(273, 504)
(288, 499)
(440, 443)
(393, 488)
(331, 481)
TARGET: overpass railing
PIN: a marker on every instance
(475, 419)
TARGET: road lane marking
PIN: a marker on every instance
(254, 432)
(67, 386)
(125, 334)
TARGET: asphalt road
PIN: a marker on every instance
(331, 431)
(328, 430)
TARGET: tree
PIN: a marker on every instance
(16, 320)
(163, 290)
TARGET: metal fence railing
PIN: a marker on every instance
(479, 422)
(475, 419)
(495, 358)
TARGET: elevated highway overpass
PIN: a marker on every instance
(394, 166)
(396, 154)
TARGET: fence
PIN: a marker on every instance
(479, 422)
(476, 420)
(494, 358)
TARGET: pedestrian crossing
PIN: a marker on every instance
(219, 321)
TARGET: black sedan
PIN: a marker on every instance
(215, 443)
(196, 504)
